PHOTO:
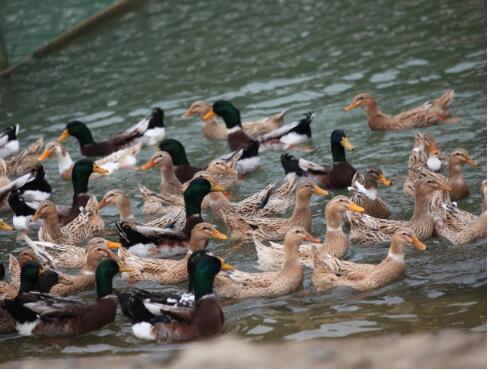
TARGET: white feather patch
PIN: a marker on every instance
(27, 327)
(144, 330)
(433, 163)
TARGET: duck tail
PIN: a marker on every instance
(291, 165)
(156, 119)
(445, 100)
(280, 117)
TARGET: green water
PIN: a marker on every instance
(301, 55)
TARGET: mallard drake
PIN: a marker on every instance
(425, 157)
(425, 115)
(183, 170)
(336, 243)
(148, 131)
(79, 178)
(215, 131)
(364, 192)
(79, 229)
(288, 136)
(33, 281)
(123, 158)
(169, 182)
(168, 271)
(331, 272)
(24, 161)
(238, 284)
(241, 227)
(170, 325)
(146, 241)
(454, 224)
(337, 176)
(369, 230)
(457, 159)
(50, 316)
(9, 144)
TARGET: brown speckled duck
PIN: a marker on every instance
(425, 115)
(331, 272)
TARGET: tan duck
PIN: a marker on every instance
(168, 271)
(26, 160)
(332, 272)
(81, 228)
(368, 230)
(124, 158)
(241, 227)
(457, 159)
(218, 131)
(425, 115)
(97, 250)
(169, 185)
(336, 243)
(425, 157)
(364, 192)
(454, 224)
(239, 284)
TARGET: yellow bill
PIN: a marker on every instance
(63, 136)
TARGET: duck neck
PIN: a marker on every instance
(168, 175)
(421, 208)
(104, 285)
(372, 110)
(124, 208)
(291, 255)
(51, 224)
(65, 163)
(396, 253)
(193, 204)
(455, 170)
(197, 244)
(85, 137)
(338, 153)
(334, 221)
(302, 207)
(80, 182)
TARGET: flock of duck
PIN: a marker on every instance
(34, 302)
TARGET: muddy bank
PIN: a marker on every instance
(447, 349)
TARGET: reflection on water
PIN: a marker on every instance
(303, 55)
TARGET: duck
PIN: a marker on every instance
(82, 170)
(36, 281)
(424, 157)
(148, 131)
(292, 135)
(236, 284)
(337, 176)
(368, 230)
(224, 173)
(428, 114)
(241, 227)
(26, 160)
(454, 224)
(155, 242)
(11, 186)
(458, 158)
(336, 242)
(79, 229)
(331, 272)
(216, 131)
(183, 170)
(97, 250)
(170, 184)
(204, 320)
(364, 192)
(45, 315)
(123, 158)
(168, 271)
(23, 212)
(9, 144)
(4, 181)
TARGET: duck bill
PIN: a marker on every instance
(218, 235)
(346, 143)
(112, 245)
(45, 154)
(188, 113)
(149, 164)
(354, 207)
(36, 216)
(216, 187)
(418, 244)
(64, 281)
(125, 268)
(209, 115)
(101, 204)
(98, 169)
(383, 180)
(351, 106)
(226, 266)
(63, 136)
(5, 226)
(311, 238)
(472, 162)
(319, 191)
